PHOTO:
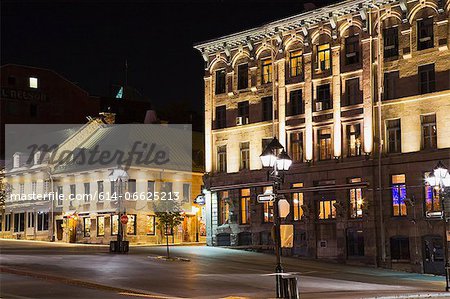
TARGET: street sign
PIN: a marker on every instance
(436, 214)
(265, 198)
(124, 219)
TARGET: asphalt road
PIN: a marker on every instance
(52, 270)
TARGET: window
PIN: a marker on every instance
(355, 242)
(432, 202)
(268, 207)
(390, 85)
(113, 189)
(220, 81)
(296, 102)
(73, 191)
(131, 187)
(265, 142)
(323, 57)
(150, 225)
(398, 188)
(327, 209)
(33, 110)
(100, 226)
(323, 99)
(87, 192)
(33, 82)
(353, 135)
(19, 222)
(42, 221)
(356, 199)
(131, 225)
(33, 188)
(243, 111)
(429, 133)
(60, 195)
(425, 37)
(267, 108)
(87, 226)
(352, 49)
(150, 188)
(297, 202)
(245, 155)
(222, 158)
(295, 63)
(22, 189)
(353, 95)
(266, 71)
(296, 146)
(245, 206)
(324, 136)
(243, 76)
(7, 222)
(114, 224)
(390, 37)
(186, 192)
(224, 207)
(167, 187)
(427, 81)
(221, 117)
(30, 219)
(100, 190)
(399, 248)
(394, 136)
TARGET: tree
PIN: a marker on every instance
(167, 221)
(4, 190)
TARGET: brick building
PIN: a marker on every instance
(363, 112)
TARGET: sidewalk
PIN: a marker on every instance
(64, 244)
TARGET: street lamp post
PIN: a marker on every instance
(118, 176)
(275, 157)
(439, 178)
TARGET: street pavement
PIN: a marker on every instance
(54, 270)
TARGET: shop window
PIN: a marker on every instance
(398, 188)
(221, 120)
(7, 222)
(356, 199)
(114, 224)
(224, 207)
(427, 79)
(324, 57)
(268, 207)
(394, 136)
(266, 71)
(245, 206)
(327, 209)
(353, 134)
(245, 155)
(150, 225)
(399, 248)
(390, 40)
(297, 202)
(297, 106)
(324, 137)
(267, 108)
(243, 76)
(19, 222)
(222, 158)
(295, 63)
(432, 202)
(323, 98)
(131, 225)
(86, 226)
(42, 221)
(429, 131)
(425, 36)
(30, 220)
(100, 226)
(220, 81)
(352, 50)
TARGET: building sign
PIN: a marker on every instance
(15, 94)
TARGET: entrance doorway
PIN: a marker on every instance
(59, 230)
(433, 255)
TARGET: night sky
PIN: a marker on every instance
(89, 41)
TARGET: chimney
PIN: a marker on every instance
(150, 117)
(108, 117)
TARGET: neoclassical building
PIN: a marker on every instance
(359, 95)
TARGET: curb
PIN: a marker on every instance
(413, 296)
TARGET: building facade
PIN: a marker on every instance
(359, 95)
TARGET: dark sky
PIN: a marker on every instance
(89, 41)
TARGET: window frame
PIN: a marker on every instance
(398, 136)
(221, 116)
(245, 207)
(425, 33)
(244, 155)
(242, 80)
(429, 84)
(267, 108)
(295, 57)
(328, 144)
(431, 128)
(323, 63)
(390, 42)
(352, 42)
(266, 71)
(220, 88)
(398, 188)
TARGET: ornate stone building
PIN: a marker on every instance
(363, 110)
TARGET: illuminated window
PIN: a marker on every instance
(224, 207)
(352, 49)
(297, 202)
(100, 226)
(266, 71)
(296, 102)
(427, 78)
(245, 155)
(268, 207)
(100, 190)
(186, 192)
(356, 200)
(267, 108)
(131, 225)
(33, 82)
(242, 76)
(394, 136)
(114, 224)
(87, 226)
(327, 209)
(425, 36)
(432, 202)
(296, 146)
(323, 98)
(390, 37)
(429, 132)
(245, 206)
(324, 57)
(295, 63)
(220, 81)
(222, 158)
(353, 135)
(398, 188)
(150, 225)
(324, 137)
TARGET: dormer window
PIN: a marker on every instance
(37, 158)
(352, 49)
(425, 37)
(324, 57)
(16, 161)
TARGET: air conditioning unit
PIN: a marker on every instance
(239, 121)
(318, 106)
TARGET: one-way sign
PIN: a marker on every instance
(265, 198)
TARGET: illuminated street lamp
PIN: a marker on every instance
(274, 156)
(439, 178)
(118, 176)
